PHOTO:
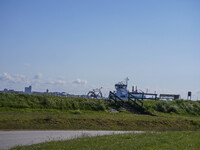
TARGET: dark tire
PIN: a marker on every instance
(91, 94)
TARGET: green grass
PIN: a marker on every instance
(176, 140)
(24, 101)
(21, 111)
(50, 102)
(93, 120)
(183, 107)
(25, 112)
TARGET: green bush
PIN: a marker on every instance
(173, 108)
(161, 106)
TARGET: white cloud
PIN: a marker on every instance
(36, 80)
(16, 78)
(40, 83)
(55, 82)
(6, 77)
(61, 82)
(80, 82)
(19, 78)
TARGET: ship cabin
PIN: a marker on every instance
(121, 91)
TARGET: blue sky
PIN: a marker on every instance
(76, 45)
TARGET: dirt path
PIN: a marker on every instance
(10, 139)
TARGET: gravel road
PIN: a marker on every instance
(9, 139)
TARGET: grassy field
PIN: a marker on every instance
(24, 101)
(179, 140)
(23, 112)
(50, 102)
(90, 120)
(179, 107)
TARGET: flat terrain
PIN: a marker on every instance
(173, 140)
(9, 139)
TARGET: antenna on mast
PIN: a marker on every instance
(126, 80)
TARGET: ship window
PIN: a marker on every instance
(124, 87)
(120, 86)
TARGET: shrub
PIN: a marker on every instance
(161, 106)
(173, 108)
